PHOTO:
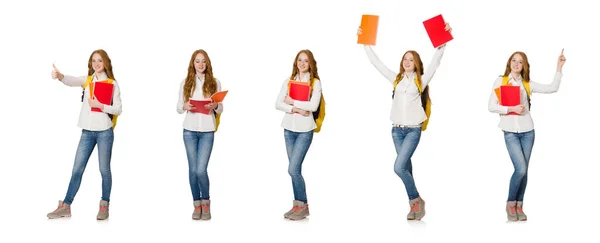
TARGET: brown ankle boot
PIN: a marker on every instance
(520, 214)
(301, 211)
(418, 207)
(511, 210)
(205, 205)
(288, 213)
(197, 210)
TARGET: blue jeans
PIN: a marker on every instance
(198, 147)
(297, 145)
(87, 142)
(519, 147)
(406, 141)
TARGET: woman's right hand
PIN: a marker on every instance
(188, 106)
(516, 109)
(56, 74)
(359, 31)
(300, 111)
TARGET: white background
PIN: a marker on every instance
(461, 166)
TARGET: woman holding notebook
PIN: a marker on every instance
(298, 123)
(97, 120)
(408, 114)
(199, 126)
(516, 122)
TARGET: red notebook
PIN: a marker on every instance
(510, 96)
(299, 90)
(199, 106)
(435, 28)
(103, 92)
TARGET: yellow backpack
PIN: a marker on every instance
(425, 101)
(112, 117)
(319, 114)
(217, 120)
(525, 84)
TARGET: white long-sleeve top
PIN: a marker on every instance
(523, 122)
(293, 121)
(88, 119)
(196, 121)
(407, 108)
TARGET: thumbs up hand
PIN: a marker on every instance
(56, 74)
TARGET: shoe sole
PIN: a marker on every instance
(58, 217)
(290, 218)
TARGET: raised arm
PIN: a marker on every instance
(435, 62)
(378, 64)
(552, 87)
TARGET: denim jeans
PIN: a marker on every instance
(198, 147)
(519, 147)
(297, 145)
(406, 141)
(87, 142)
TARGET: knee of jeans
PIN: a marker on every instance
(77, 171)
(201, 172)
(399, 170)
(521, 172)
(294, 172)
(105, 172)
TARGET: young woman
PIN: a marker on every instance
(97, 129)
(407, 114)
(299, 125)
(199, 128)
(518, 129)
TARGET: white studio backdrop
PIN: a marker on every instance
(461, 167)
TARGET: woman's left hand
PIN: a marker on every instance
(211, 106)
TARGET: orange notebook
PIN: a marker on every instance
(368, 25)
(103, 92)
(219, 96)
(299, 90)
(199, 106)
(436, 31)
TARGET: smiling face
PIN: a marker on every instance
(303, 63)
(516, 63)
(97, 63)
(200, 63)
(408, 62)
